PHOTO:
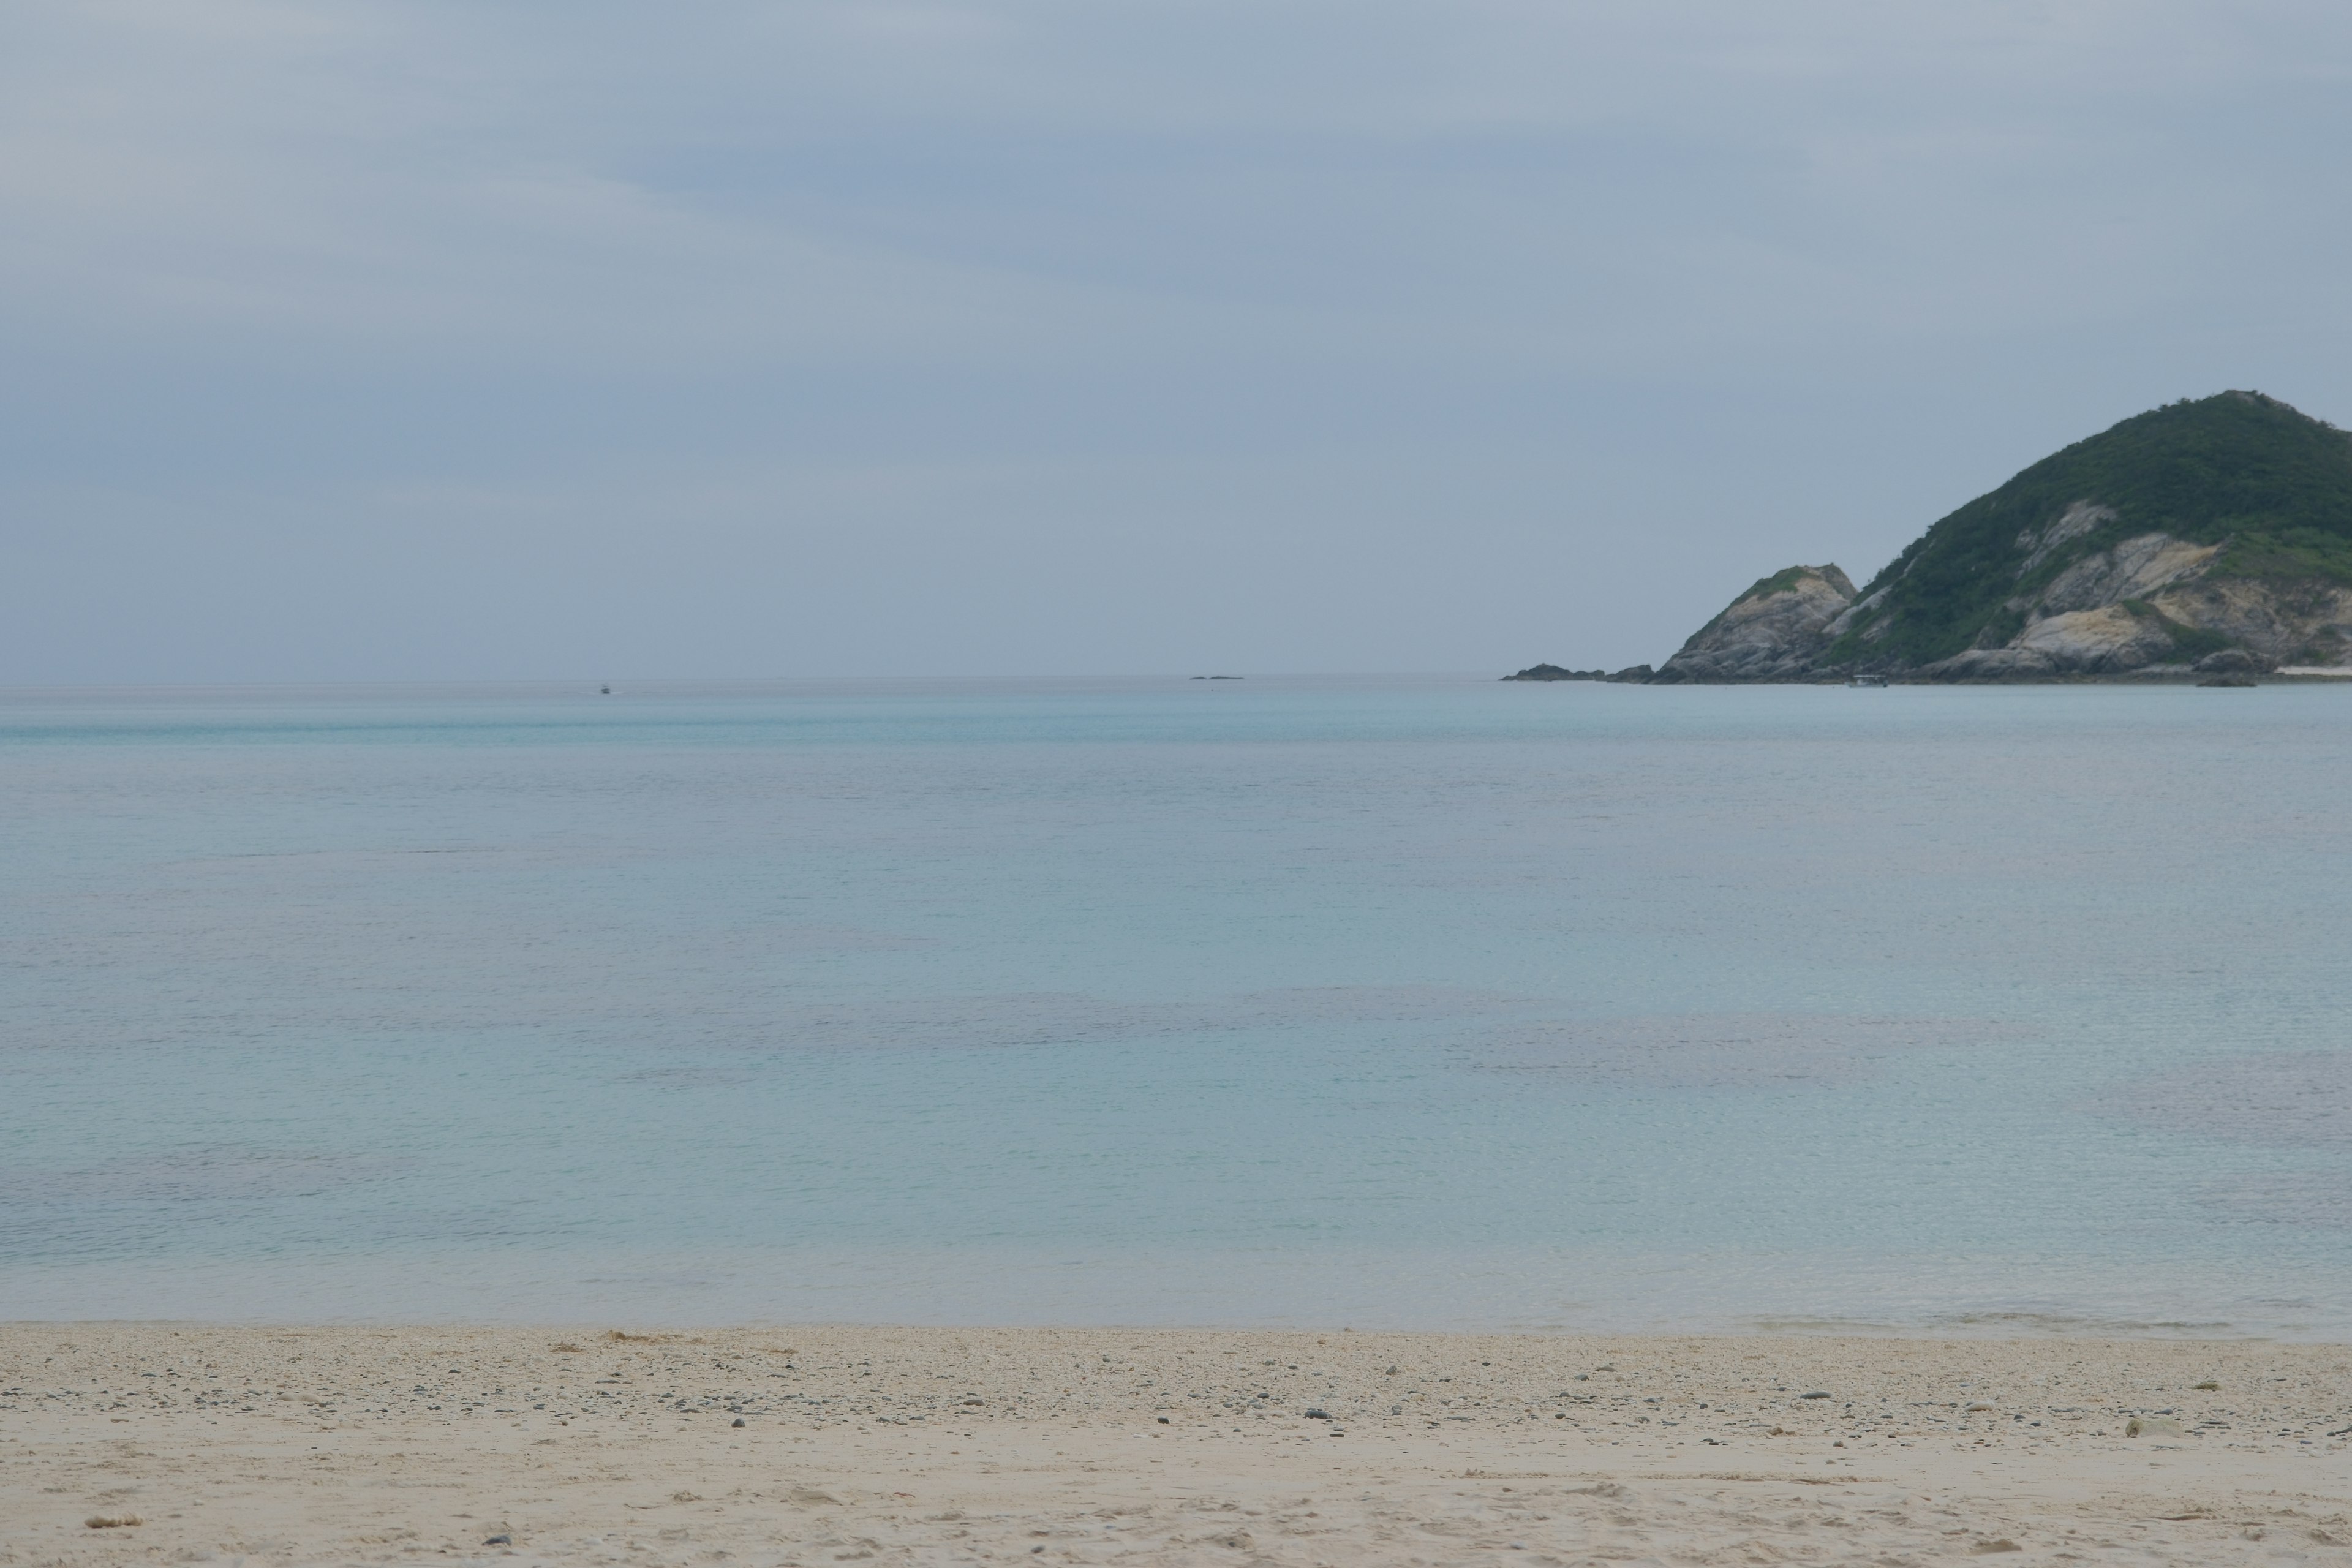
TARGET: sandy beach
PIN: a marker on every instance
(838, 1444)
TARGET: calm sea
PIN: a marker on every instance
(1379, 1003)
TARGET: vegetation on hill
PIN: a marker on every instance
(2272, 485)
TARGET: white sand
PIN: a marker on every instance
(1099, 1445)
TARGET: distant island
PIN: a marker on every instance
(1554, 672)
(2209, 537)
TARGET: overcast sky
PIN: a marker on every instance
(566, 339)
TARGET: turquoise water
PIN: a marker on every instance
(1436, 1003)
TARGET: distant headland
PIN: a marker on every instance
(2206, 539)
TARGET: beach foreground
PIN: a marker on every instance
(840, 1444)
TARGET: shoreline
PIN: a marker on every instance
(817, 1444)
(2289, 675)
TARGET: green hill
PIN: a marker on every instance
(2269, 486)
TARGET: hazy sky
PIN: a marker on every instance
(353, 339)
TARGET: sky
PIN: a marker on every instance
(353, 339)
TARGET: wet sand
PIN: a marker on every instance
(846, 1444)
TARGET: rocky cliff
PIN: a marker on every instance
(2207, 536)
(1778, 630)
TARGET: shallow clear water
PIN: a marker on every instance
(1378, 1003)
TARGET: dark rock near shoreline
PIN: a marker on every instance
(2234, 661)
(1554, 672)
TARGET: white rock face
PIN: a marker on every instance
(2108, 640)
(2082, 625)
(2282, 626)
(2073, 523)
(1774, 634)
(2135, 569)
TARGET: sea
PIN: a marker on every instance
(1382, 1003)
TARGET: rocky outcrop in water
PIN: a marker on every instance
(1775, 631)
